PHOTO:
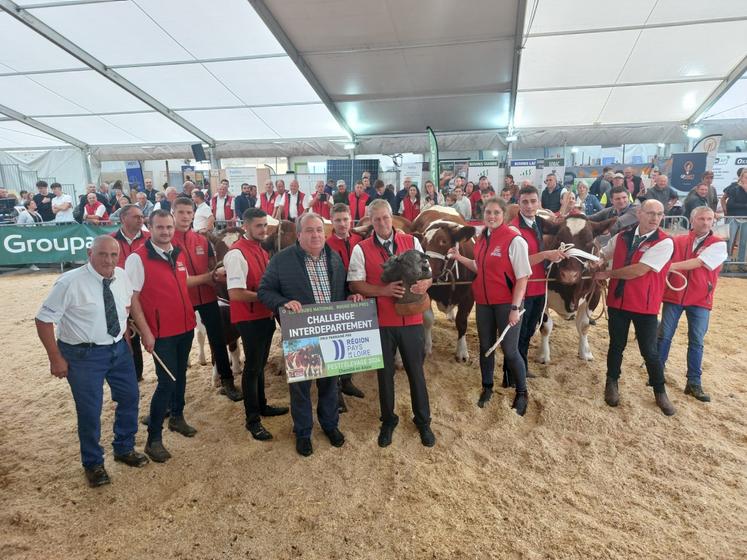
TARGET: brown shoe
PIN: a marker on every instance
(611, 393)
(663, 402)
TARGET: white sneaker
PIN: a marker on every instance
(34, 267)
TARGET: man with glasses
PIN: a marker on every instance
(640, 261)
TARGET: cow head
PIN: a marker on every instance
(409, 267)
(439, 238)
(580, 232)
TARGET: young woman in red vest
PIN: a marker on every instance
(163, 313)
(640, 261)
(245, 264)
(357, 201)
(397, 332)
(411, 204)
(699, 256)
(502, 267)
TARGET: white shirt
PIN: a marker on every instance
(135, 270)
(357, 267)
(76, 305)
(712, 256)
(63, 215)
(100, 211)
(202, 215)
(656, 257)
(518, 254)
(464, 208)
(236, 269)
(220, 208)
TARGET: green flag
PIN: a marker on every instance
(434, 155)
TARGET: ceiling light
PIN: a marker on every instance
(512, 138)
(495, 153)
(350, 146)
(694, 132)
(662, 145)
(574, 150)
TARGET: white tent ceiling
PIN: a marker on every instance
(288, 75)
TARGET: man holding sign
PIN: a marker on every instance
(306, 273)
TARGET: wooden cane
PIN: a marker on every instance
(156, 356)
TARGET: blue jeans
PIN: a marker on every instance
(697, 326)
(87, 368)
(174, 351)
(735, 227)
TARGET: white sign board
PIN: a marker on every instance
(725, 169)
(526, 170)
(412, 167)
(553, 166)
(490, 169)
(238, 175)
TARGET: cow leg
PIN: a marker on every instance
(463, 310)
(201, 338)
(428, 327)
(451, 312)
(543, 356)
(235, 354)
(582, 325)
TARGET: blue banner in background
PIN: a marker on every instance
(135, 175)
(687, 168)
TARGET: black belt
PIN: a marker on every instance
(91, 344)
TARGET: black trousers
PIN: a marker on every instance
(645, 332)
(210, 316)
(491, 320)
(532, 316)
(256, 337)
(411, 343)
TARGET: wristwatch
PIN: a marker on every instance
(515, 308)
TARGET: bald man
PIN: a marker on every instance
(640, 259)
(90, 305)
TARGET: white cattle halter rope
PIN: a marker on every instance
(678, 273)
(156, 356)
(503, 335)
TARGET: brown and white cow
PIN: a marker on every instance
(571, 293)
(440, 232)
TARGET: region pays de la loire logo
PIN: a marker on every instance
(339, 349)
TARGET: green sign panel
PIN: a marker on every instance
(24, 245)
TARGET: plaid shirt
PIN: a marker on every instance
(317, 270)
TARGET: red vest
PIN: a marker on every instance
(410, 209)
(256, 258)
(338, 246)
(643, 294)
(196, 254)
(538, 270)
(125, 249)
(701, 282)
(285, 213)
(321, 207)
(267, 205)
(376, 256)
(91, 211)
(227, 212)
(495, 275)
(357, 206)
(164, 296)
(474, 198)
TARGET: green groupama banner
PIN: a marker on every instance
(24, 245)
(434, 165)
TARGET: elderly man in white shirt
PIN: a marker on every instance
(204, 219)
(90, 305)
